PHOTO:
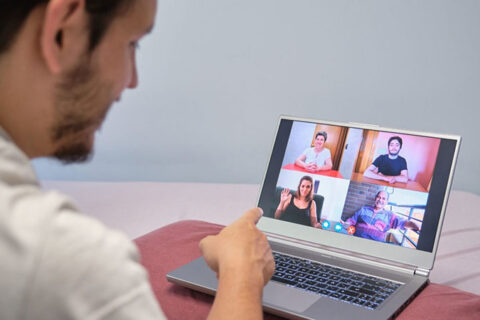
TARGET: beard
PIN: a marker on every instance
(81, 105)
(394, 153)
(379, 205)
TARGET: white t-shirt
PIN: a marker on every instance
(317, 158)
(56, 263)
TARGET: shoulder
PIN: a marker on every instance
(85, 240)
(62, 263)
(15, 166)
(380, 158)
(68, 264)
(102, 265)
(366, 209)
(383, 157)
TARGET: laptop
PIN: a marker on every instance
(353, 214)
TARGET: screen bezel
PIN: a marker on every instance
(377, 250)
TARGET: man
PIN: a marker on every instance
(62, 64)
(389, 167)
(374, 222)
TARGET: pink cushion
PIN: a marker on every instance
(169, 247)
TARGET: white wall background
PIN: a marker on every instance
(215, 75)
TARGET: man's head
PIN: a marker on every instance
(83, 57)
(394, 145)
(14, 13)
(381, 199)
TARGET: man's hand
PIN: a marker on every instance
(240, 248)
(241, 257)
(391, 180)
(411, 225)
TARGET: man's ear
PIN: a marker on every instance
(64, 34)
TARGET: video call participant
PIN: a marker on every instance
(301, 208)
(373, 222)
(389, 167)
(62, 64)
(317, 158)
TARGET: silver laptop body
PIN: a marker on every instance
(403, 258)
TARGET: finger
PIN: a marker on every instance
(208, 251)
(204, 243)
(253, 215)
(269, 270)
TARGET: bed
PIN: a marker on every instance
(143, 209)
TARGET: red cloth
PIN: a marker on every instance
(169, 247)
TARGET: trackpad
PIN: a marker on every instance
(289, 298)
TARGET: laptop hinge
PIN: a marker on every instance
(422, 272)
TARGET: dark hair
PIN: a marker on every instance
(297, 193)
(388, 194)
(321, 133)
(396, 138)
(13, 14)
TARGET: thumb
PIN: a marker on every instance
(253, 215)
(207, 247)
(205, 243)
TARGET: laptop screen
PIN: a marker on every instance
(381, 185)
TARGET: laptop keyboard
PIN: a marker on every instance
(333, 282)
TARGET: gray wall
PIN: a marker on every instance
(215, 75)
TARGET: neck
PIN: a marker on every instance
(391, 156)
(25, 90)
